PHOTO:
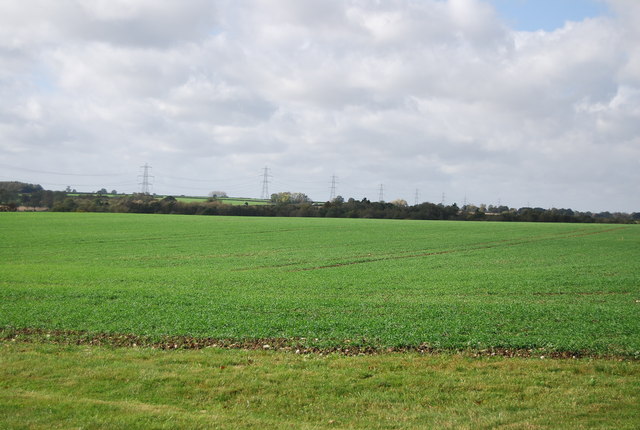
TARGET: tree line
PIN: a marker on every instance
(14, 194)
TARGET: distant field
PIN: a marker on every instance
(95, 194)
(226, 200)
(326, 282)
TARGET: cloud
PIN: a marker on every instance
(142, 23)
(437, 95)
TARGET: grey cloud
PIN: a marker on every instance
(436, 95)
(139, 23)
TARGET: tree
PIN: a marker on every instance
(67, 205)
(400, 202)
(281, 198)
(217, 194)
(300, 198)
(287, 197)
(9, 196)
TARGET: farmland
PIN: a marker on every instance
(187, 199)
(437, 307)
(327, 283)
(226, 200)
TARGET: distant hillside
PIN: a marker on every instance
(19, 187)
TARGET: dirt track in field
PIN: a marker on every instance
(290, 345)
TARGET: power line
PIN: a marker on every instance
(180, 178)
(72, 185)
(5, 166)
(381, 193)
(186, 179)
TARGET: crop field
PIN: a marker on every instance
(453, 324)
(327, 283)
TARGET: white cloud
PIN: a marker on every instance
(436, 95)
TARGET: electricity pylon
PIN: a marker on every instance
(265, 183)
(332, 192)
(145, 179)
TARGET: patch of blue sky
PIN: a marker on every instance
(547, 15)
(43, 81)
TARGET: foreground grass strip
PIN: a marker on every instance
(56, 386)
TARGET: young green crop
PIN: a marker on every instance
(384, 283)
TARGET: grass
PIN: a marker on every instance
(227, 200)
(326, 282)
(538, 290)
(52, 386)
(188, 199)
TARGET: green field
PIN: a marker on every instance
(226, 200)
(445, 296)
(187, 199)
(326, 282)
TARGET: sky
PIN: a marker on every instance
(511, 102)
